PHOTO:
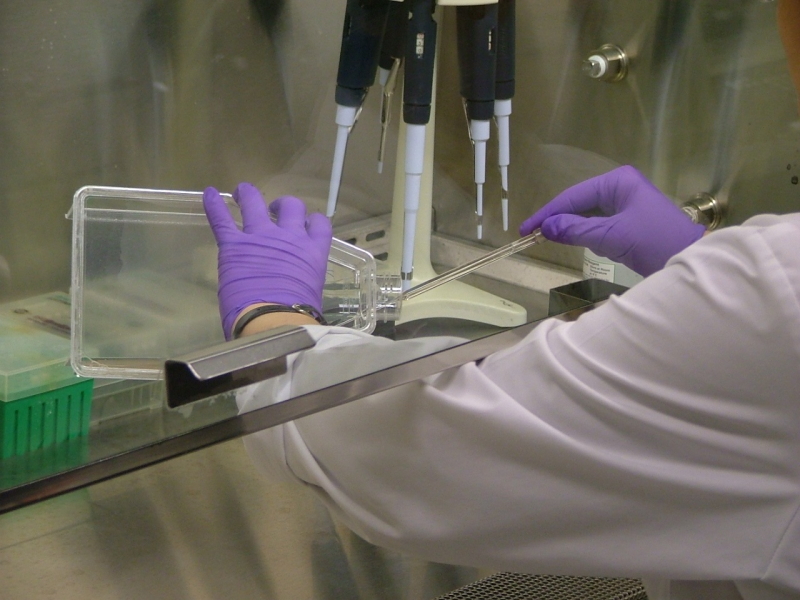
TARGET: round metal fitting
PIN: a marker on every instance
(705, 209)
(607, 63)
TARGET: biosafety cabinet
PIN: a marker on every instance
(108, 491)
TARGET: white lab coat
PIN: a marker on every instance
(656, 437)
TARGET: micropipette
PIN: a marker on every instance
(504, 91)
(477, 29)
(364, 25)
(420, 57)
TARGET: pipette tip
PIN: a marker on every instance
(479, 208)
(504, 204)
(479, 225)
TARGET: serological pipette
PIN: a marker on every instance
(477, 56)
(504, 92)
(364, 24)
(391, 56)
(419, 61)
(527, 241)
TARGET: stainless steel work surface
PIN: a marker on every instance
(202, 527)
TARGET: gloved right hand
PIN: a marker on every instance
(275, 263)
(641, 227)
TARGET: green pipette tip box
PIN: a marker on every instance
(42, 401)
(45, 419)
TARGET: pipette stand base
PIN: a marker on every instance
(452, 300)
(457, 300)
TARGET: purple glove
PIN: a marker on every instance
(642, 228)
(281, 263)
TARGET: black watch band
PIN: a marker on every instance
(300, 309)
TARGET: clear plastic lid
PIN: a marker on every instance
(34, 353)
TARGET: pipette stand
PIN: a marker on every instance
(455, 299)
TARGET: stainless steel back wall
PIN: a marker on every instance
(189, 93)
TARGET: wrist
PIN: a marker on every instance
(261, 316)
(273, 320)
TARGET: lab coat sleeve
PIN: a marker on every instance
(656, 436)
(338, 354)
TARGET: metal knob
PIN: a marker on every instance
(607, 63)
(705, 209)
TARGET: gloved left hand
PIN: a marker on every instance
(282, 262)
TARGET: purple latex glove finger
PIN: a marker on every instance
(289, 211)
(255, 217)
(320, 229)
(575, 230)
(578, 199)
(608, 193)
(219, 217)
(267, 262)
(592, 233)
(643, 229)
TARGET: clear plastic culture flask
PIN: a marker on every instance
(144, 281)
